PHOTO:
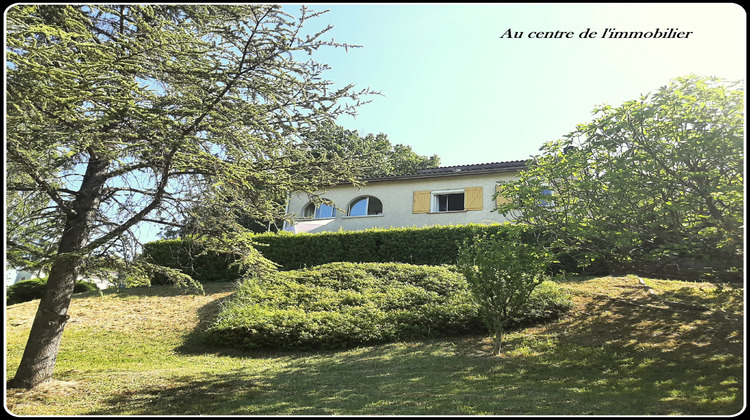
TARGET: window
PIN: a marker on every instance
(447, 201)
(365, 206)
(466, 199)
(321, 211)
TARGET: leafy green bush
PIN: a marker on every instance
(502, 270)
(85, 286)
(341, 305)
(31, 289)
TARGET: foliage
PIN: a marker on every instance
(655, 181)
(31, 224)
(294, 251)
(31, 289)
(342, 305)
(502, 270)
(547, 302)
(204, 259)
(374, 154)
(122, 114)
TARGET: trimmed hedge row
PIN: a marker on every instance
(435, 245)
(341, 305)
(421, 246)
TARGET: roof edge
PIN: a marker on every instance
(457, 170)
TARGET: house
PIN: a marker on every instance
(451, 195)
(13, 276)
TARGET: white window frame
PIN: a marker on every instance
(434, 203)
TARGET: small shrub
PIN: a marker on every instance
(502, 270)
(85, 286)
(31, 289)
(25, 290)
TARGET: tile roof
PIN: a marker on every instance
(512, 165)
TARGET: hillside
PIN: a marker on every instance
(662, 347)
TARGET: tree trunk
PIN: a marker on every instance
(497, 344)
(38, 361)
(40, 354)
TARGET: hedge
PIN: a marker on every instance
(436, 245)
(188, 257)
(421, 246)
(341, 305)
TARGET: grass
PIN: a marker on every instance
(672, 348)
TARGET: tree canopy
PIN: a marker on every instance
(120, 114)
(652, 182)
(373, 155)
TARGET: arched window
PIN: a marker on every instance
(365, 206)
(321, 211)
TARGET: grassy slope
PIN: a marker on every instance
(622, 350)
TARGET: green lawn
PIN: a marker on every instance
(678, 350)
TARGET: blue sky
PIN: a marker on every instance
(453, 87)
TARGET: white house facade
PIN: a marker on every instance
(451, 195)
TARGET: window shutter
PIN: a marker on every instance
(499, 200)
(473, 198)
(421, 202)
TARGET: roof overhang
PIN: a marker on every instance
(452, 171)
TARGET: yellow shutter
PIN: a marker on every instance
(421, 202)
(499, 200)
(473, 198)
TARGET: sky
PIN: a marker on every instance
(453, 85)
(456, 84)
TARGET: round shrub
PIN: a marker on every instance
(31, 289)
(25, 290)
(85, 286)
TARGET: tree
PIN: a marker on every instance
(374, 155)
(369, 156)
(652, 182)
(31, 226)
(122, 114)
(502, 269)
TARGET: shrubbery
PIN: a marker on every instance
(502, 271)
(436, 245)
(294, 251)
(341, 305)
(31, 289)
